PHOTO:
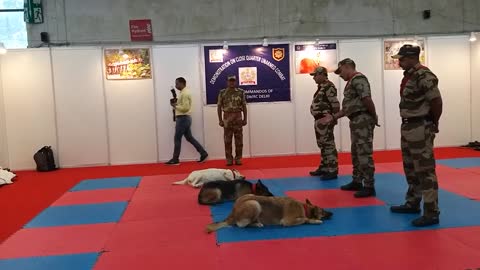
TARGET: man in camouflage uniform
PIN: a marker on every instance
(231, 101)
(420, 109)
(325, 102)
(358, 106)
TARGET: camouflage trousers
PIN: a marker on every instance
(361, 136)
(233, 127)
(326, 143)
(419, 166)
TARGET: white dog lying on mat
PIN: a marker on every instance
(6, 176)
(200, 177)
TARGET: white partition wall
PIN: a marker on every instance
(272, 129)
(3, 128)
(367, 55)
(29, 104)
(131, 121)
(60, 96)
(449, 59)
(80, 106)
(391, 86)
(170, 63)
(475, 89)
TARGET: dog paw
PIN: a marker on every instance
(315, 221)
(258, 225)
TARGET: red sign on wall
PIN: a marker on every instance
(141, 30)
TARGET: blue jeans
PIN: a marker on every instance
(183, 128)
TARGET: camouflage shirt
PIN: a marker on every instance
(231, 100)
(324, 99)
(419, 86)
(356, 89)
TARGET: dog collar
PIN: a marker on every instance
(305, 207)
(233, 172)
(254, 188)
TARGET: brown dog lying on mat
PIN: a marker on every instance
(256, 211)
(221, 191)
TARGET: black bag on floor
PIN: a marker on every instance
(44, 159)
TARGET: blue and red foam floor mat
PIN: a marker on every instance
(147, 223)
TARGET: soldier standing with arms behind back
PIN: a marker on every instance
(232, 102)
(325, 102)
(420, 109)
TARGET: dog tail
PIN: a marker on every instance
(216, 226)
(182, 182)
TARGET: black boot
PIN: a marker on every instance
(329, 176)
(405, 209)
(365, 192)
(424, 221)
(352, 186)
(317, 172)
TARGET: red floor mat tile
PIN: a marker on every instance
(164, 203)
(56, 241)
(159, 233)
(178, 256)
(95, 196)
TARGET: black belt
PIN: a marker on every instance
(417, 119)
(355, 114)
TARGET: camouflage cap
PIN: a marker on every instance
(319, 70)
(407, 50)
(232, 77)
(346, 61)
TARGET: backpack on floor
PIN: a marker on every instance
(44, 159)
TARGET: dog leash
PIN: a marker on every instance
(233, 172)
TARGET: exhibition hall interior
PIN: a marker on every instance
(256, 134)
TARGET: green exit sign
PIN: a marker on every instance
(33, 11)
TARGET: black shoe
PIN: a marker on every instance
(405, 209)
(365, 192)
(352, 186)
(317, 172)
(329, 176)
(238, 162)
(425, 221)
(229, 162)
(203, 158)
(173, 162)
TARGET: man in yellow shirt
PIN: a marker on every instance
(183, 110)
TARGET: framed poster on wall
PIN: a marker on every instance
(263, 72)
(127, 64)
(391, 47)
(310, 56)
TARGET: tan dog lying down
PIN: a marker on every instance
(256, 211)
(200, 177)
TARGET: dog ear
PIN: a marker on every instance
(308, 202)
(259, 182)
